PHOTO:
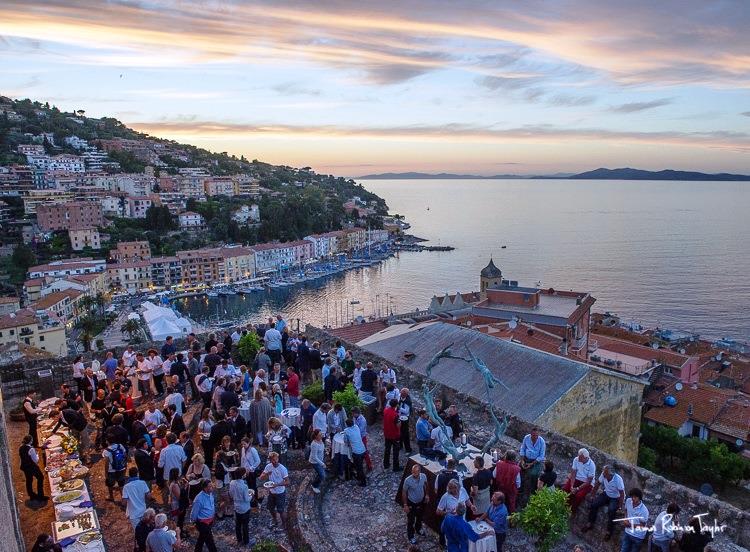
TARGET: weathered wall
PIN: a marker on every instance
(658, 491)
(10, 529)
(603, 411)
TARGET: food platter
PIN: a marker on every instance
(82, 523)
(68, 496)
(89, 537)
(71, 485)
(269, 484)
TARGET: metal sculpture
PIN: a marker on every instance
(490, 381)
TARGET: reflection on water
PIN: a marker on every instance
(673, 254)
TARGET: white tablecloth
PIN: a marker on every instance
(291, 417)
(487, 544)
(245, 410)
(339, 446)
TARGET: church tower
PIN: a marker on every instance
(489, 277)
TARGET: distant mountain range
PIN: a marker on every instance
(596, 174)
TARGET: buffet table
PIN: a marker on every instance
(431, 468)
(76, 526)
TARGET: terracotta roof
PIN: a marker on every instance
(537, 339)
(49, 301)
(8, 300)
(23, 317)
(707, 404)
(85, 278)
(734, 419)
(641, 351)
(129, 264)
(34, 282)
(358, 332)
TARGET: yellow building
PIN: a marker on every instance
(43, 331)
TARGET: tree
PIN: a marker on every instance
(248, 347)
(23, 257)
(85, 339)
(131, 327)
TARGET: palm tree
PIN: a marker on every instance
(85, 339)
(131, 327)
(99, 301)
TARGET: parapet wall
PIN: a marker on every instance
(658, 491)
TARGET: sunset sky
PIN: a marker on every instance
(358, 87)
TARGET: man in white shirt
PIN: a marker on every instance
(663, 534)
(276, 473)
(235, 337)
(176, 399)
(580, 478)
(153, 418)
(613, 497)
(438, 435)
(320, 419)
(143, 370)
(135, 495)
(636, 521)
(172, 456)
(128, 357)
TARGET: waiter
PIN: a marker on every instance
(31, 413)
(30, 469)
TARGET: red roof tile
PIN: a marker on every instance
(358, 332)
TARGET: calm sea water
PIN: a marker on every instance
(673, 254)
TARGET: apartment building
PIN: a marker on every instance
(81, 238)
(67, 267)
(247, 185)
(191, 221)
(130, 276)
(270, 257)
(166, 271)
(324, 244)
(40, 330)
(239, 263)
(219, 185)
(71, 214)
(34, 198)
(9, 304)
(131, 251)
(136, 207)
(201, 266)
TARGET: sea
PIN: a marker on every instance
(666, 254)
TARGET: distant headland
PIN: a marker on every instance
(597, 174)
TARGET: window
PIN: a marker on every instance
(41, 338)
(13, 332)
(696, 431)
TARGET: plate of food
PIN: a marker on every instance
(68, 496)
(89, 537)
(269, 484)
(71, 485)
(69, 472)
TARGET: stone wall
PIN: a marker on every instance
(658, 491)
(10, 529)
(602, 411)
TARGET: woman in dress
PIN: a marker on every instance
(277, 436)
(260, 412)
(480, 486)
(196, 473)
(278, 400)
(204, 430)
(227, 460)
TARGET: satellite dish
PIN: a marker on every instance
(654, 345)
(682, 351)
(678, 386)
(739, 442)
(513, 324)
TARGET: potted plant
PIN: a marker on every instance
(546, 516)
(314, 393)
(248, 348)
(348, 398)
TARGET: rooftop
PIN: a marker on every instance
(537, 380)
(491, 271)
(555, 306)
(622, 347)
(357, 332)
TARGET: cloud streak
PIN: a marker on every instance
(635, 107)
(455, 132)
(390, 42)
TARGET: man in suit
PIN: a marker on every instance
(239, 425)
(189, 447)
(221, 428)
(88, 385)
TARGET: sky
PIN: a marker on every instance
(351, 88)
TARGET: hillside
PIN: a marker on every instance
(22, 119)
(668, 174)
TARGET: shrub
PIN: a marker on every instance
(248, 348)
(348, 398)
(647, 458)
(314, 393)
(546, 516)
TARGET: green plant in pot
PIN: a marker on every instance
(546, 516)
(348, 398)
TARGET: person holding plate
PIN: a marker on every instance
(278, 479)
(227, 461)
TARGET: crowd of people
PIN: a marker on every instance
(174, 485)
